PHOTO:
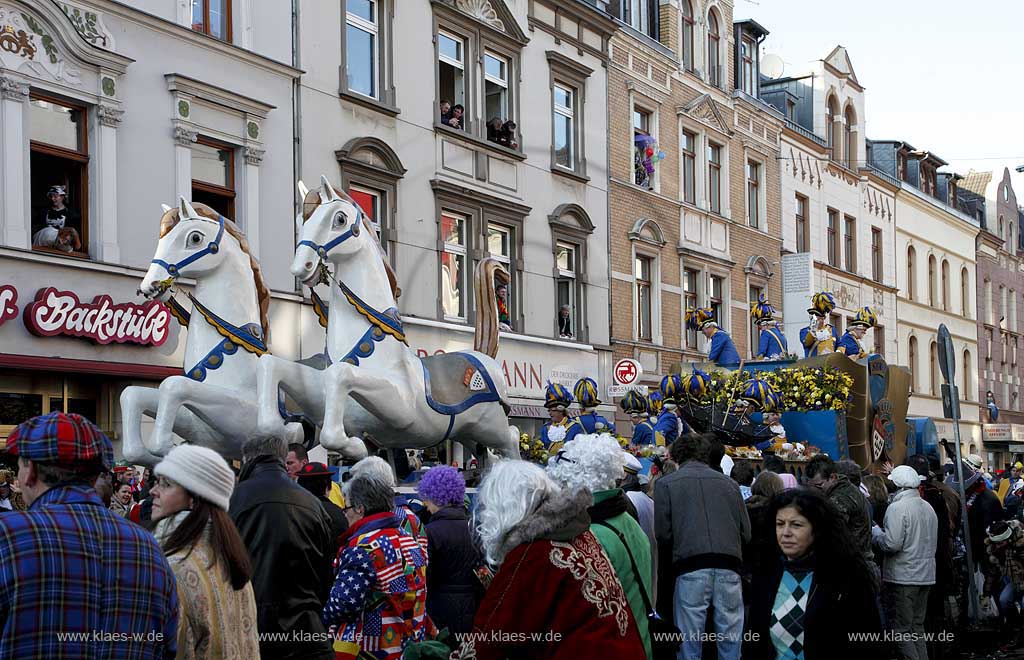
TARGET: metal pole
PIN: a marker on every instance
(972, 588)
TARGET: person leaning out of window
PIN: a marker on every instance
(565, 322)
(58, 223)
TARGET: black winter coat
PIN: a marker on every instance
(287, 533)
(453, 590)
(339, 524)
(832, 614)
(982, 512)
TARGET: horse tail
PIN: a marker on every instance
(489, 273)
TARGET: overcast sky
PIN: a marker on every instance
(944, 76)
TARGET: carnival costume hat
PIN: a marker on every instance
(822, 304)
(57, 190)
(586, 393)
(655, 402)
(700, 318)
(672, 388)
(633, 464)
(865, 318)
(634, 403)
(761, 311)
(759, 394)
(557, 396)
(999, 531)
(696, 384)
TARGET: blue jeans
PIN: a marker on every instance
(1008, 600)
(695, 592)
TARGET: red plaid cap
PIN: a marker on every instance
(65, 440)
(314, 470)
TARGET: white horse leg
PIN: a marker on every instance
(137, 401)
(505, 441)
(304, 384)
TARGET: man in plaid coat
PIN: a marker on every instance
(77, 581)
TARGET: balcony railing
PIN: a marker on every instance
(797, 128)
(884, 175)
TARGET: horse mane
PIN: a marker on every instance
(312, 201)
(489, 272)
(170, 220)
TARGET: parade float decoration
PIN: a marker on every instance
(375, 386)
(212, 402)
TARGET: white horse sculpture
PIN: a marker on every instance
(376, 386)
(213, 403)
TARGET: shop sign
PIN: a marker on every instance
(1016, 449)
(620, 390)
(998, 433)
(626, 372)
(55, 313)
(8, 303)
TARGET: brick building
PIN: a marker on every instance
(701, 226)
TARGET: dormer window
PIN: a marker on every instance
(748, 73)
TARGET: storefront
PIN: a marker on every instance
(1004, 444)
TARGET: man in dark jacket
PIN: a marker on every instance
(316, 478)
(853, 507)
(701, 525)
(287, 534)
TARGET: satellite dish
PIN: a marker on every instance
(772, 66)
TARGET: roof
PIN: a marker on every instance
(976, 182)
(753, 27)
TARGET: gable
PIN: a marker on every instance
(705, 110)
(492, 13)
(839, 60)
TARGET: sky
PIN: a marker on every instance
(944, 76)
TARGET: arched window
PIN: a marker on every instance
(933, 296)
(967, 394)
(945, 285)
(990, 310)
(687, 34)
(965, 293)
(911, 275)
(850, 138)
(912, 363)
(831, 112)
(1001, 227)
(715, 74)
(933, 363)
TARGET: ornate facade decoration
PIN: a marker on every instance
(254, 156)
(17, 42)
(109, 115)
(13, 90)
(184, 137)
(482, 11)
(89, 25)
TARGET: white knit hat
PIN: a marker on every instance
(200, 471)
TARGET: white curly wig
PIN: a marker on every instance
(595, 462)
(510, 492)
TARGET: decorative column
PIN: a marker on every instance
(184, 138)
(250, 207)
(15, 210)
(103, 172)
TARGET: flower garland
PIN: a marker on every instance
(801, 389)
(533, 450)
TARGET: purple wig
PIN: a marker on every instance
(443, 485)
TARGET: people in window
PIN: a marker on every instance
(993, 408)
(504, 320)
(565, 322)
(454, 117)
(502, 132)
(58, 223)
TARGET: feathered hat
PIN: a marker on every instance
(557, 396)
(672, 388)
(695, 385)
(655, 402)
(700, 318)
(864, 318)
(634, 402)
(585, 391)
(759, 394)
(761, 311)
(822, 304)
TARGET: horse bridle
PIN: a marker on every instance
(322, 250)
(175, 269)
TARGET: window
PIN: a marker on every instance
(716, 297)
(643, 297)
(833, 238)
(850, 139)
(831, 110)
(879, 333)
(912, 362)
(495, 88)
(836, 321)
(453, 266)
(876, 254)
(802, 234)
(369, 202)
(933, 361)
(714, 66)
(965, 293)
(213, 176)
(945, 284)
(753, 193)
(1002, 308)
(642, 176)
(689, 167)
(911, 275)
(755, 333)
(967, 394)
(451, 71)
(362, 60)
(850, 243)
(565, 262)
(790, 109)
(499, 245)
(212, 17)
(690, 302)
(370, 172)
(715, 178)
(933, 297)
(636, 14)
(1001, 227)
(747, 72)
(687, 34)
(58, 162)
(565, 126)
(901, 167)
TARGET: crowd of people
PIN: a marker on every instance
(585, 556)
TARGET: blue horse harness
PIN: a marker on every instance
(175, 269)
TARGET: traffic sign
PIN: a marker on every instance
(620, 390)
(626, 372)
(947, 358)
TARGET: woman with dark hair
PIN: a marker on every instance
(761, 550)
(217, 618)
(819, 595)
(878, 497)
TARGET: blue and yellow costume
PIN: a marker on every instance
(669, 425)
(822, 305)
(849, 345)
(722, 350)
(772, 343)
(589, 421)
(635, 403)
(556, 397)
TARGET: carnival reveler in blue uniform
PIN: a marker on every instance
(722, 350)
(772, 343)
(669, 425)
(636, 406)
(851, 344)
(557, 400)
(819, 337)
(589, 421)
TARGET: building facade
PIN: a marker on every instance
(694, 180)
(834, 206)
(1000, 265)
(935, 274)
